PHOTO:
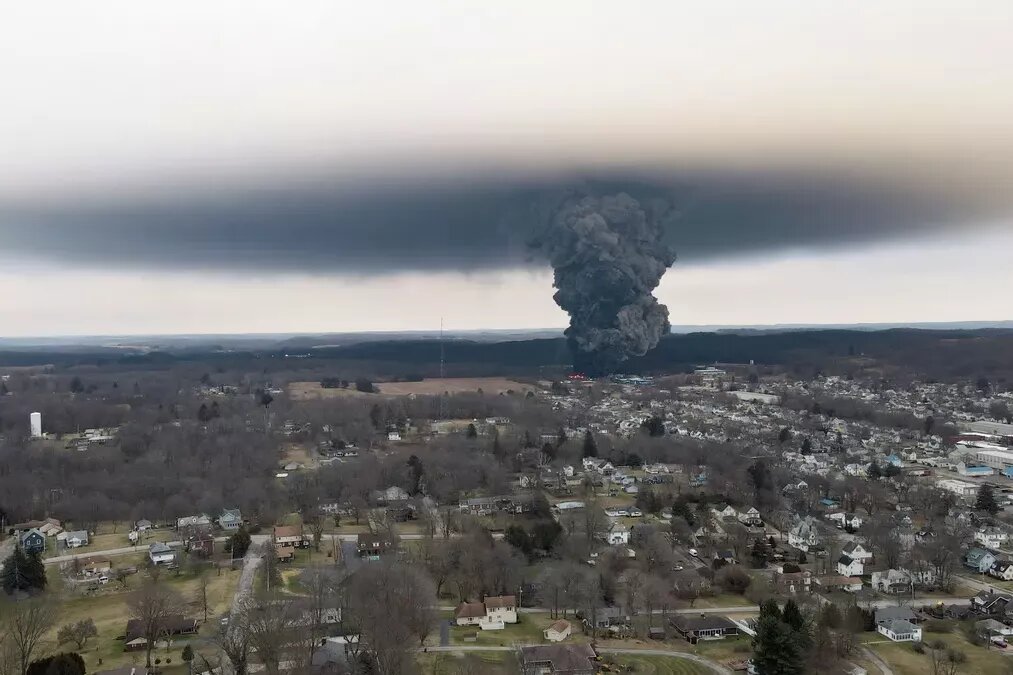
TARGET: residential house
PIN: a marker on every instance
(373, 546)
(989, 602)
(289, 535)
(202, 544)
(558, 631)
(849, 567)
(1001, 569)
(839, 583)
(900, 613)
(804, 535)
(891, 581)
(703, 627)
(501, 608)
(492, 614)
(161, 554)
(856, 551)
(791, 583)
(199, 521)
(604, 617)
(170, 626)
(618, 534)
(989, 628)
(231, 519)
(32, 541)
(726, 513)
(979, 560)
(568, 659)
(389, 496)
(75, 539)
(899, 630)
(142, 525)
(750, 517)
(469, 614)
(991, 537)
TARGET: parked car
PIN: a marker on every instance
(693, 552)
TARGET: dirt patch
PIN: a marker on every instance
(454, 385)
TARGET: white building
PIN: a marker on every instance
(35, 419)
(960, 488)
(618, 535)
(849, 567)
(900, 630)
(558, 631)
(991, 537)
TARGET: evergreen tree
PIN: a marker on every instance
(807, 446)
(239, 543)
(792, 615)
(590, 446)
(760, 553)
(784, 436)
(776, 647)
(680, 507)
(472, 431)
(549, 450)
(875, 472)
(561, 437)
(23, 572)
(986, 500)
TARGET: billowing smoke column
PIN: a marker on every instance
(608, 257)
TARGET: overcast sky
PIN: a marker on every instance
(244, 166)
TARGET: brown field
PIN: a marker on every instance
(454, 385)
(307, 391)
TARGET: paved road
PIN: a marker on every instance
(112, 552)
(715, 667)
(244, 588)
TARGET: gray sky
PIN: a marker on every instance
(225, 167)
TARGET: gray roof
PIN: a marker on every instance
(894, 614)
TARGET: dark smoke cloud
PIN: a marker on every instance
(386, 227)
(607, 257)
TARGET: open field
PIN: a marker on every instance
(903, 659)
(308, 391)
(658, 665)
(453, 385)
(448, 663)
(108, 608)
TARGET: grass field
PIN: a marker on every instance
(903, 659)
(108, 608)
(658, 665)
(446, 663)
(454, 385)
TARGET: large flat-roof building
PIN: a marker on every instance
(958, 487)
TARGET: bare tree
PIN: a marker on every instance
(203, 582)
(25, 623)
(270, 622)
(153, 604)
(321, 585)
(391, 606)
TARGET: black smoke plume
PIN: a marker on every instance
(608, 256)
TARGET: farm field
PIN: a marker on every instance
(454, 385)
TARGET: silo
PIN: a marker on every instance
(36, 419)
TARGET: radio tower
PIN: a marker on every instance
(439, 395)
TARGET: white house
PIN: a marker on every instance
(74, 539)
(900, 630)
(991, 537)
(501, 608)
(618, 534)
(856, 551)
(161, 554)
(1001, 570)
(558, 631)
(804, 535)
(193, 521)
(750, 516)
(727, 512)
(492, 614)
(849, 567)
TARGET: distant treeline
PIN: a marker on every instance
(933, 353)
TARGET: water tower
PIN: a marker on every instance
(36, 420)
